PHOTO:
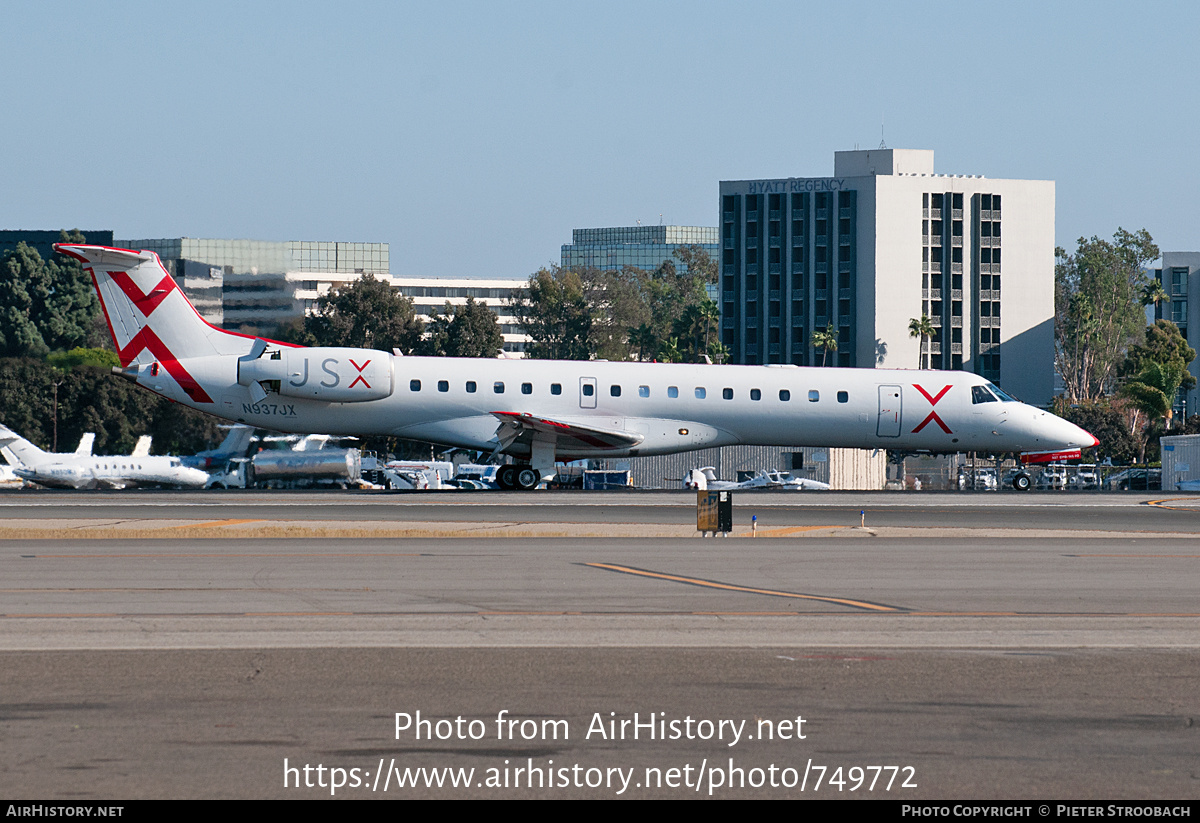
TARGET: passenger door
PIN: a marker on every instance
(889, 412)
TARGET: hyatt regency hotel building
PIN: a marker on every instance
(883, 241)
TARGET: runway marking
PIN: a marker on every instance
(716, 584)
(791, 530)
(1162, 504)
(215, 523)
(152, 589)
(219, 555)
(1133, 555)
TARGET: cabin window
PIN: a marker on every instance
(672, 391)
(643, 391)
(755, 394)
(813, 395)
(843, 397)
(414, 385)
(785, 395)
(556, 388)
(588, 389)
(443, 385)
(727, 393)
(615, 391)
(498, 387)
(700, 392)
(470, 387)
(526, 388)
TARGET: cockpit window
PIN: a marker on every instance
(1003, 395)
(979, 394)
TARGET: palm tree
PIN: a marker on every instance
(1153, 294)
(923, 330)
(668, 351)
(710, 315)
(825, 339)
(644, 340)
(1153, 392)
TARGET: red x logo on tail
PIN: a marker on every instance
(933, 400)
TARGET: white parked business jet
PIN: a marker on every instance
(540, 411)
(705, 478)
(88, 471)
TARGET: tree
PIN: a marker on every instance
(924, 330)
(555, 312)
(826, 340)
(1152, 392)
(645, 341)
(1153, 294)
(1163, 344)
(44, 305)
(91, 399)
(472, 330)
(367, 313)
(620, 315)
(1107, 420)
(1098, 309)
(699, 263)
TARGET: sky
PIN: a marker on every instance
(473, 137)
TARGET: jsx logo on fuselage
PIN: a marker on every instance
(325, 367)
(932, 416)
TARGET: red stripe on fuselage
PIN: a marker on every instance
(146, 339)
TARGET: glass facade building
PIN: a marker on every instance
(642, 247)
(255, 285)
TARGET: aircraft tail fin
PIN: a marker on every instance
(84, 449)
(19, 449)
(150, 318)
(236, 442)
(142, 447)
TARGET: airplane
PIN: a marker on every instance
(87, 471)
(235, 444)
(543, 411)
(706, 478)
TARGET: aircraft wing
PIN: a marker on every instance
(569, 436)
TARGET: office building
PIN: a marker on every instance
(431, 294)
(883, 241)
(642, 247)
(1181, 269)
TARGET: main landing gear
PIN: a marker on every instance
(521, 477)
(1021, 482)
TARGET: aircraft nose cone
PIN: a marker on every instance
(1076, 437)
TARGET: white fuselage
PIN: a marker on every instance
(112, 472)
(669, 407)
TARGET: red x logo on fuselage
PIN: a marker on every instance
(933, 401)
